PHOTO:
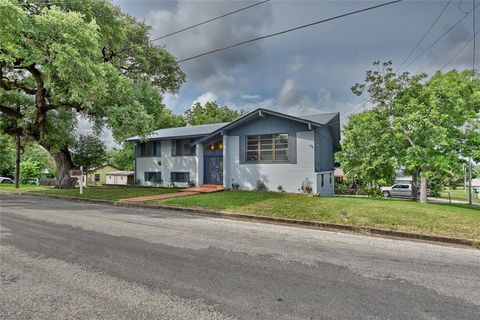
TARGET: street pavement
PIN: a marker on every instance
(76, 260)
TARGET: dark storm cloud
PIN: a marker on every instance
(307, 70)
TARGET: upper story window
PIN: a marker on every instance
(149, 149)
(183, 148)
(267, 148)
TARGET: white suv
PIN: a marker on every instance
(397, 190)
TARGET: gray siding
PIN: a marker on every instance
(324, 160)
(270, 125)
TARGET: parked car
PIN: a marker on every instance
(5, 180)
(34, 181)
(399, 190)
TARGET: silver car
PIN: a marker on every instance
(399, 190)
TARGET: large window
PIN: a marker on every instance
(149, 149)
(267, 148)
(183, 148)
(97, 177)
(179, 176)
(154, 177)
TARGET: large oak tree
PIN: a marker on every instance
(62, 60)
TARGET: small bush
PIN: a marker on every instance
(261, 187)
(306, 186)
(280, 189)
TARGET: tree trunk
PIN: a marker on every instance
(17, 161)
(414, 186)
(423, 189)
(64, 164)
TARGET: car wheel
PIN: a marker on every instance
(386, 194)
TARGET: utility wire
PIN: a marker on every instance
(288, 30)
(460, 50)
(440, 38)
(474, 39)
(210, 20)
(424, 35)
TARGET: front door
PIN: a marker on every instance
(213, 170)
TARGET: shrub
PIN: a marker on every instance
(261, 187)
(306, 186)
(280, 189)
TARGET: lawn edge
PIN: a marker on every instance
(267, 219)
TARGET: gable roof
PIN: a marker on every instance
(317, 120)
(182, 132)
(208, 131)
(102, 166)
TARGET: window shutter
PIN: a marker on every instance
(292, 147)
(174, 147)
(243, 151)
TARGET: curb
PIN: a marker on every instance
(267, 219)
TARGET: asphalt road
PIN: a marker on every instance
(65, 260)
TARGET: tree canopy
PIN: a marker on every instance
(89, 151)
(65, 59)
(428, 126)
(210, 112)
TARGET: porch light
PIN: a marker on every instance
(212, 147)
(220, 146)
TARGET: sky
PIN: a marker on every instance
(306, 71)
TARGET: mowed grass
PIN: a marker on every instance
(98, 193)
(438, 219)
(459, 194)
(22, 187)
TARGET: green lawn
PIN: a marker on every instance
(23, 187)
(438, 219)
(459, 194)
(99, 193)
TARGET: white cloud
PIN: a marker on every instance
(206, 97)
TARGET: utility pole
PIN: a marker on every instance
(470, 181)
(17, 160)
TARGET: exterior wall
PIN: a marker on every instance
(90, 176)
(116, 180)
(327, 190)
(165, 163)
(324, 159)
(289, 175)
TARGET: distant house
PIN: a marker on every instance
(120, 178)
(97, 177)
(276, 149)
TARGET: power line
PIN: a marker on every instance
(288, 30)
(424, 35)
(436, 41)
(210, 20)
(460, 50)
(474, 39)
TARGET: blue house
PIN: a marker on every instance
(278, 149)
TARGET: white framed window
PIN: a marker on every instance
(267, 148)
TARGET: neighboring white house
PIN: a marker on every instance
(277, 149)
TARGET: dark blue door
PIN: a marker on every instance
(213, 171)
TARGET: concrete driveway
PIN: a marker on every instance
(73, 260)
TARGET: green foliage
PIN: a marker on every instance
(123, 157)
(79, 58)
(211, 112)
(368, 149)
(7, 156)
(89, 151)
(33, 152)
(29, 168)
(261, 187)
(425, 126)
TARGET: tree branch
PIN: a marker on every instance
(12, 113)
